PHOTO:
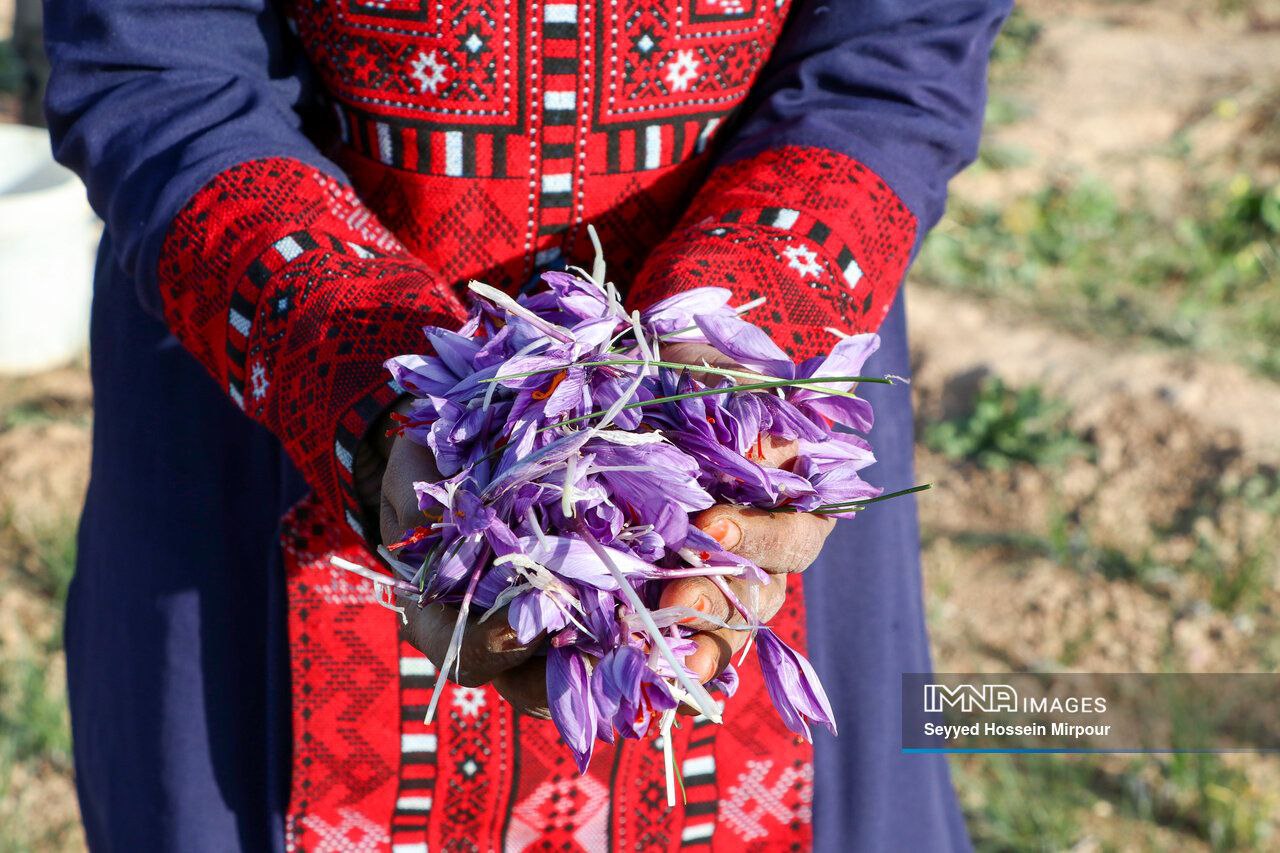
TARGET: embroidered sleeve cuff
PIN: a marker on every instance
(816, 233)
(292, 295)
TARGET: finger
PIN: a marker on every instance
(699, 594)
(407, 464)
(773, 452)
(525, 687)
(715, 644)
(714, 652)
(706, 597)
(389, 525)
(778, 542)
(488, 648)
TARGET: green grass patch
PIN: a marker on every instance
(1007, 426)
(1017, 39)
(1074, 253)
(33, 714)
(1054, 802)
(55, 561)
(45, 557)
(35, 736)
(1237, 566)
(1022, 802)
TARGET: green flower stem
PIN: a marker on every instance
(855, 505)
(707, 392)
(716, 371)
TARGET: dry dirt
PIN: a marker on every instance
(44, 464)
(1113, 87)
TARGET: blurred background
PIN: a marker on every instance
(1096, 329)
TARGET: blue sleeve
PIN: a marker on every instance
(898, 85)
(148, 100)
(837, 166)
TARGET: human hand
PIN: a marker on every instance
(780, 543)
(490, 652)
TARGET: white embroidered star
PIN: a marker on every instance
(428, 70)
(681, 71)
(258, 381)
(803, 260)
(468, 700)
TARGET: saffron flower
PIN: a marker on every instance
(573, 457)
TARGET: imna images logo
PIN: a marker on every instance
(967, 698)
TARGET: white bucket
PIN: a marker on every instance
(47, 239)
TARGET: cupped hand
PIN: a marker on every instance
(490, 652)
(781, 543)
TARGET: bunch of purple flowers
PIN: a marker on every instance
(572, 457)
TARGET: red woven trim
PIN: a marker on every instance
(816, 233)
(292, 295)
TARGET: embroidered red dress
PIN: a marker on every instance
(325, 191)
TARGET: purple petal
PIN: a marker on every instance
(458, 353)
(420, 376)
(789, 486)
(576, 296)
(492, 584)
(746, 344)
(793, 686)
(853, 412)
(699, 300)
(526, 468)
(568, 394)
(459, 564)
(469, 514)
(533, 613)
(675, 314)
(574, 559)
(572, 707)
(788, 422)
(727, 681)
(847, 357)
(591, 335)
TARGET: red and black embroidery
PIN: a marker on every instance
(292, 296)
(566, 113)
(817, 234)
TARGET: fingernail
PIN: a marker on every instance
(702, 605)
(726, 532)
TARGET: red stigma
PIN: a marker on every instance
(415, 535)
(550, 389)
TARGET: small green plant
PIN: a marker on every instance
(1024, 802)
(1016, 40)
(1073, 252)
(1215, 800)
(33, 714)
(1237, 565)
(1007, 426)
(46, 556)
(56, 558)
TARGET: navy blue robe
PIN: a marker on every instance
(177, 662)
